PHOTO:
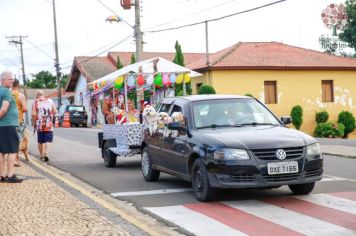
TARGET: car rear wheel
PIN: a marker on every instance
(109, 157)
(200, 182)
(146, 166)
(302, 189)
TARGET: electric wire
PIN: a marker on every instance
(39, 49)
(216, 19)
(112, 11)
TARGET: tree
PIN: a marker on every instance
(43, 79)
(349, 32)
(119, 65)
(133, 59)
(206, 89)
(179, 60)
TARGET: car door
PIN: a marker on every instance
(174, 148)
(155, 141)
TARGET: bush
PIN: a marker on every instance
(329, 130)
(348, 120)
(297, 116)
(206, 89)
(249, 95)
(321, 117)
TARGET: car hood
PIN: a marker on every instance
(257, 137)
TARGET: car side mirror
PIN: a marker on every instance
(286, 120)
(176, 126)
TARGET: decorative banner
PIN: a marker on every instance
(172, 78)
(140, 80)
(158, 79)
(179, 79)
(95, 86)
(102, 84)
(118, 86)
(131, 81)
(149, 79)
(165, 79)
(119, 80)
(186, 78)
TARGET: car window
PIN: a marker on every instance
(75, 108)
(230, 112)
(176, 108)
(164, 108)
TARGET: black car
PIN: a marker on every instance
(77, 115)
(230, 141)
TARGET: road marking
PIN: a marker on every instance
(240, 220)
(323, 213)
(151, 192)
(301, 223)
(194, 222)
(328, 178)
(347, 195)
(345, 179)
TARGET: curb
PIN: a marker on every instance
(339, 155)
(123, 209)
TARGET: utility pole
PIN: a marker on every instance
(138, 33)
(18, 40)
(58, 73)
(206, 44)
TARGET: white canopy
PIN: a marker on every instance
(163, 66)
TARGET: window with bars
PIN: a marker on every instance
(327, 87)
(270, 92)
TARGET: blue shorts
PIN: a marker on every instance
(44, 136)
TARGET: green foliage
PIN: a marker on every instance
(179, 58)
(206, 89)
(329, 130)
(43, 79)
(133, 59)
(119, 65)
(297, 116)
(349, 32)
(249, 95)
(321, 117)
(64, 80)
(348, 120)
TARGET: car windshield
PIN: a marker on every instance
(231, 112)
(71, 108)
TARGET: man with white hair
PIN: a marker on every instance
(9, 120)
(43, 111)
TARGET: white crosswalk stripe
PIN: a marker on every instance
(331, 201)
(194, 222)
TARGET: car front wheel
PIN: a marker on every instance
(146, 166)
(302, 189)
(109, 157)
(200, 182)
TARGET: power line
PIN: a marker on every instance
(112, 11)
(92, 57)
(192, 14)
(216, 19)
(39, 49)
(8, 59)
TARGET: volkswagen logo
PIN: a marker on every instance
(281, 154)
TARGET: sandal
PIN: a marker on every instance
(13, 179)
(2, 179)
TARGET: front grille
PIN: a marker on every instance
(270, 154)
(243, 178)
(313, 173)
(280, 178)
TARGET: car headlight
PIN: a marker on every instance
(231, 154)
(313, 149)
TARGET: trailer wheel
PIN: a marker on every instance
(109, 156)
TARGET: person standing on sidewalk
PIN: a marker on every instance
(21, 105)
(9, 120)
(43, 111)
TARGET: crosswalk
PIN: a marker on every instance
(315, 214)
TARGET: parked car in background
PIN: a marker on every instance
(77, 115)
(230, 142)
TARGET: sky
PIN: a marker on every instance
(83, 30)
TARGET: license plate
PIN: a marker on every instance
(282, 168)
(76, 114)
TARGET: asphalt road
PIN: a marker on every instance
(75, 150)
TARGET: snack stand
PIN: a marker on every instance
(154, 75)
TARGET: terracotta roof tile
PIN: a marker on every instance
(273, 55)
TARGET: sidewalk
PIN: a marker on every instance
(50, 202)
(339, 150)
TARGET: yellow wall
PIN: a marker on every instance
(294, 87)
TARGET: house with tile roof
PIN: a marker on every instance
(277, 74)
